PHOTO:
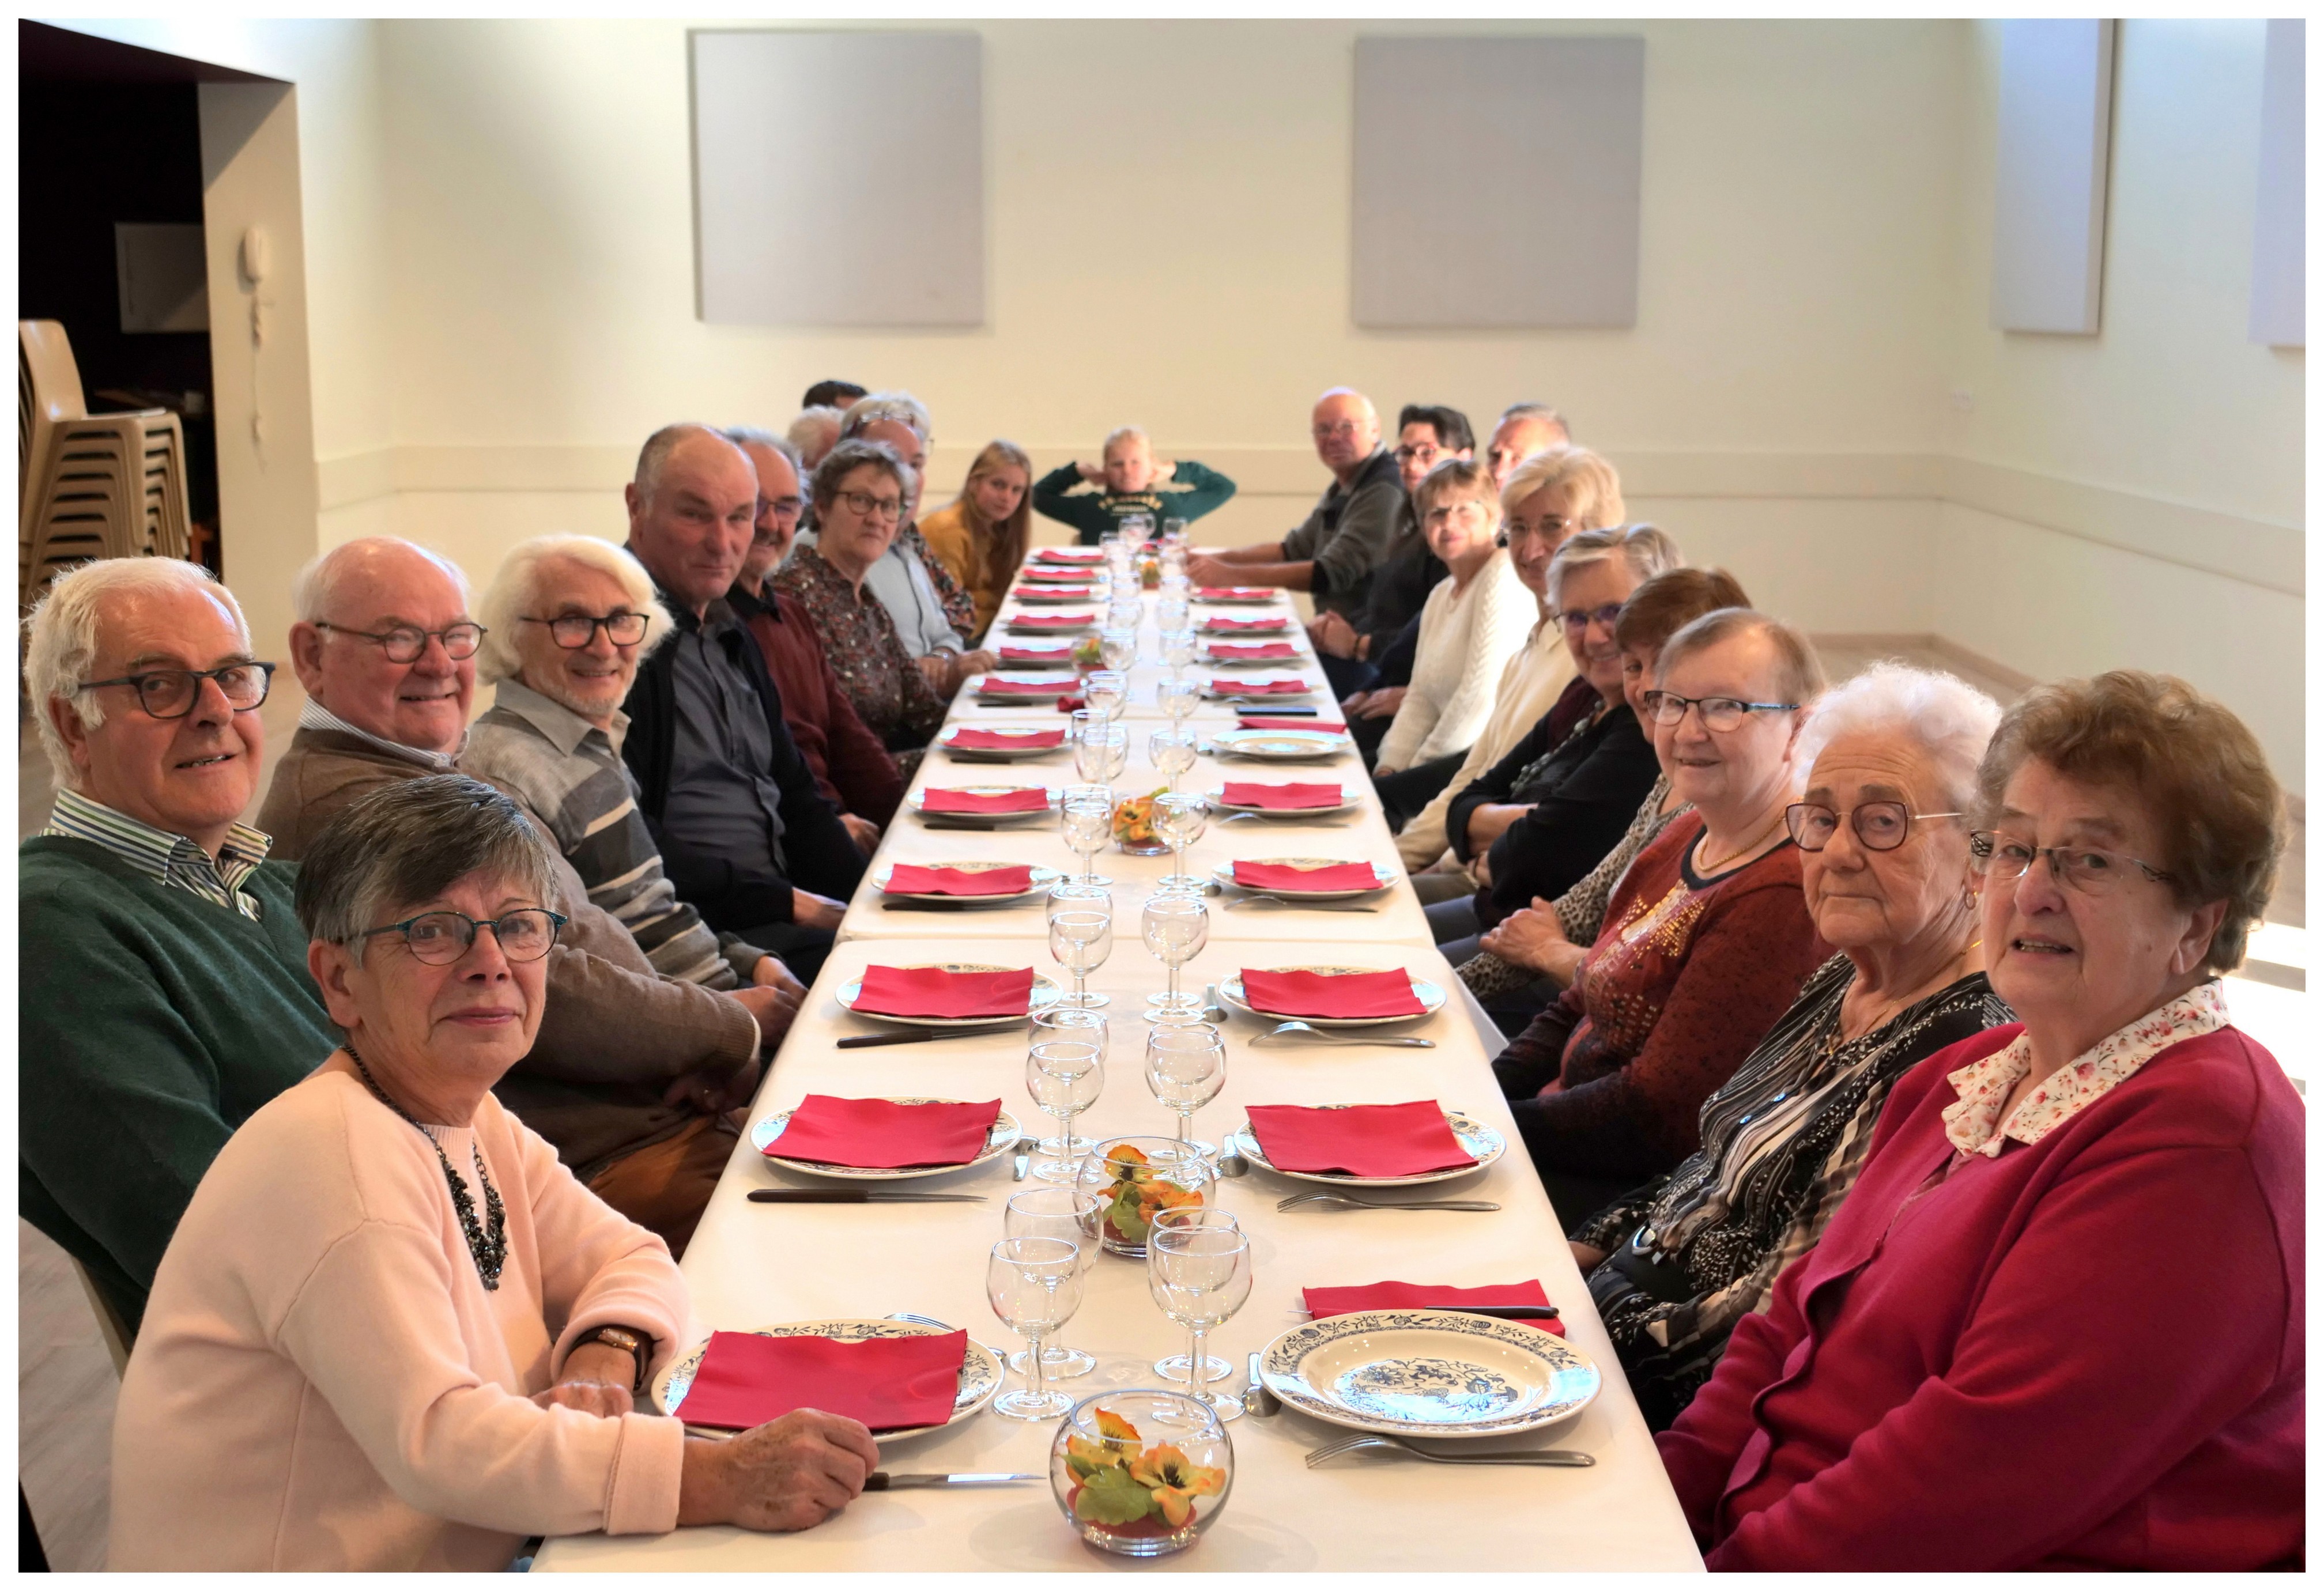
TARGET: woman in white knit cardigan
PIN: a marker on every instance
(1475, 621)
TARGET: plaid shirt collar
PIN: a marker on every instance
(556, 724)
(170, 859)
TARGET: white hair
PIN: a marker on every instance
(815, 430)
(1951, 720)
(61, 645)
(516, 586)
(1370, 412)
(874, 407)
(315, 589)
(1125, 434)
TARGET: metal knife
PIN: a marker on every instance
(879, 1480)
(870, 1041)
(854, 1196)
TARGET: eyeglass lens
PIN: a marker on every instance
(575, 630)
(1879, 825)
(440, 938)
(170, 693)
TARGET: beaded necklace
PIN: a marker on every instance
(487, 1245)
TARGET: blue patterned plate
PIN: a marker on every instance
(1429, 1373)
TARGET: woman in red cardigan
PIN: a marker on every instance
(2059, 1321)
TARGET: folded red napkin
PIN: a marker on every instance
(1252, 875)
(1361, 1140)
(931, 991)
(1070, 703)
(984, 740)
(1076, 593)
(1027, 799)
(1232, 593)
(1053, 620)
(1276, 797)
(1230, 651)
(1223, 625)
(1010, 654)
(1070, 555)
(1323, 1303)
(994, 685)
(1324, 994)
(907, 879)
(888, 1383)
(1258, 687)
(880, 1135)
(1055, 576)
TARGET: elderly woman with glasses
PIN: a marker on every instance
(1707, 939)
(1882, 835)
(2060, 1323)
(860, 489)
(391, 1331)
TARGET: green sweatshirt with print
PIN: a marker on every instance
(1191, 493)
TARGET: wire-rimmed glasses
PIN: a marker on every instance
(1185, 1068)
(1064, 1076)
(1878, 825)
(1035, 1286)
(1200, 1273)
(1085, 818)
(1171, 748)
(1071, 1216)
(1180, 817)
(2001, 858)
(1175, 928)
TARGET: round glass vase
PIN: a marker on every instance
(1135, 1178)
(1133, 828)
(1141, 1473)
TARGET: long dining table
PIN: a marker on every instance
(756, 1264)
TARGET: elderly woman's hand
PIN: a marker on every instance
(1532, 936)
(783, 1476)
(597, 1381)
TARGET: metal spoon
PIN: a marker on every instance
(1307, 1035)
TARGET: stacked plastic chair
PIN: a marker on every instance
(89, 486)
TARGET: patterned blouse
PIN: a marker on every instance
(1692, 1253)
(959, 607)
(889, 691)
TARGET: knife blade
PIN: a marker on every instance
(854, 1196)
(868, 1041)
(881, 1480)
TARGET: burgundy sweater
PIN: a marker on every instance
(851, 768)
(2082, 1353)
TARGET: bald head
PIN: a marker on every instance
(371, 587)
(1347, 431)
(692, 506)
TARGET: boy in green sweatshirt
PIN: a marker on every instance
(1129, 483)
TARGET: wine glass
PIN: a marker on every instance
(1180, 817)
(1175, 928)
(1171, 610)
(1034, 1286)
(1085, 814)
(1117, 647)
(1171, 748)
(1187, 1066)
(1178, 646)
(1080, 937)
(1177, 695)
(1200, 1273)
(1101, 753)
(1064, 1076)
(1173, 1367)
(1105, 690)
(1071, 1215)
(1174, 535)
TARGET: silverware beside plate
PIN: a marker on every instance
(881, 1480)
(856, 1196)
(872, 1041)
(1540, 1458)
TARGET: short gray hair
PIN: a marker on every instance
(409, 841)
(1801, 670)
(848, 457)
(61, 641)
(659, 447)
(874, 407)
(315, 589)
(516, 586)
(756, 436)
(1647, 549)
(1536, 411)
(1949, 719)
(807, 430)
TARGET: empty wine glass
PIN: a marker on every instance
(1125, 606)
(1101, 753)
(1172, 751)
(1187, 1066)
(1179, 648)
(1080, 938)
(1071, 1216)
(1117, 647)
(1034, 1286)
(1178, 695)
(1174, 535)
(1138, 530)
(1180, 817)
(1173, 1367)
(1200, 1273)
(1085, 817)
(1105, 690)
(1171, 611)
(1064, 1076)
(1175, 928)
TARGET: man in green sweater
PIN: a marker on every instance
(163, 992)
(1129, 482)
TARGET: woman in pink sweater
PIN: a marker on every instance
(2059, 1321)
(375, 1343)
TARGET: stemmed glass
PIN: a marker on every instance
(1071, 1216)
(1187, 1066)
(1079, 941)
(1178, 646)
(1173, 1367)
(1175, 928)
(1171, 611)
(1034, 1286)
(1106, 690)
(1200, 1273)
(1180, 817)
(1064, 1076)
(1101, 753)
(1177, 695)
(1117, 647)
(1085, 814)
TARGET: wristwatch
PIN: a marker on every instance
(636, 1344)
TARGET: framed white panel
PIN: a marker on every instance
(839, 178)
(2050, 175)
(2279, 293)
(1430, 248)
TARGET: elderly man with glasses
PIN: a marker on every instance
(163, 994)
(1375, 648)
(633, 1069)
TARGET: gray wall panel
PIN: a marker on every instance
(2279, 304)
(2050, 175)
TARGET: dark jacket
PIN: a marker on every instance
(1400, 590)
(1349, 533)
(735, 893)
(853, 769)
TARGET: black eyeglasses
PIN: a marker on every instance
(1879, 825)
(575, 630)
(404, 643)
(171, 693)
(869, 507)
(2005, 858)
(1719, 713)
(442, 938)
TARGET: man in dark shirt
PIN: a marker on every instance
(1353, 648)
(744, 831)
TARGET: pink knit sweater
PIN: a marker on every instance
(323, 1383)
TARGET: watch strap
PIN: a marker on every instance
(638, 1345)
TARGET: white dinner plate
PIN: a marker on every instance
(1429, 995)
(980, 1370)
(1045, 993)
(1429, 1373)
(1042, 878)
(1217, 628)
(1482, 1143)
(1005, 1133)
(1035, 595)
(1010, 754)
(1228, 691)
(1260, 601)
(1274, 745)
(1292, 815)
(982, 819)
(1224, 874)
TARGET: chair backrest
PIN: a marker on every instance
(48, 384)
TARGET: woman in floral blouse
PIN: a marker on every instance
(860, 491)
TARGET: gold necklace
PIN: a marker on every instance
(1703, 860)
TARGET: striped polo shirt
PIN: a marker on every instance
(172, 859)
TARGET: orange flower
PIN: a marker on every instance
(1174, 1480)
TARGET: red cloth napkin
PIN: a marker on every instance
(981, 740)
(1216, 594)
(1253, 875)
(1034, 572)
(1053, 620)
(1222, 625)
(1070, 703)
(1276, 797)
(1229, 650)
(1323, 1303)
(1321, 994)
(888, 1383)
(907, 879)
(1273, 721)
(1070, 555)
(993, 685)
(1028, 799)
(1362, 1140)
(1056, 593)
(880, 1135)
(1258, 687)
(1010, 654)
(930, 991)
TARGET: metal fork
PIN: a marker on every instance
(1554, 1457)
(1298, 1199)
(1304, 905)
